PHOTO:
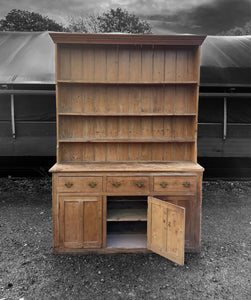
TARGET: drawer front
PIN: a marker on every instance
(126, 184)
(174, 184)
(80, 184)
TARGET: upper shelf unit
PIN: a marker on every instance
(127, 97)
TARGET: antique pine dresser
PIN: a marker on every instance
(126, 177)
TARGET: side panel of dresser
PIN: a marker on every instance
(55, 212)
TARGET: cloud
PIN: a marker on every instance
(208, 18)
(66, 7)
(166, 16)
(52, 7)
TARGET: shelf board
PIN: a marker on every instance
(128, 166)
(127, 241)
(139, 140)
(185, 82)
(142, 114)
(133, 214)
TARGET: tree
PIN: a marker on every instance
(118, 20)
(87, 24)
(23, 20)
(114, 20)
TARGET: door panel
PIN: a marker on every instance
(166, 229)
(188, 202)
(91, 224)
(71, 224)
(80, 222)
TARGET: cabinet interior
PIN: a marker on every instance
(126, 222)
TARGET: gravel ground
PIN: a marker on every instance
(29, 270)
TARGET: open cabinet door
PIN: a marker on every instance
(166, 229)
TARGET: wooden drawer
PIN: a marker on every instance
(80, 184)
(128, 184)
(174, 184)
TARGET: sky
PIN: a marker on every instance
(165, 16)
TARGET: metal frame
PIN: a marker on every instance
(225, 119)
(13, 127)
(12, 92)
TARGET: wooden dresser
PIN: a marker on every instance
(126, 177)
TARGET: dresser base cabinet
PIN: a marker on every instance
(127, 211)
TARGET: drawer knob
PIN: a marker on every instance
(163, 184)
(140, 184)
(92, 184)
(186, 184)
(68, 184)
(116, 184)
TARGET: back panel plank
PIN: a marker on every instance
(64, 59)
(124, 65)
(65, 152)
(89, 96)
(170, 65)
(135, 64)
(88, 63)
(112, 63)
(181, 100)
(112, 100)
(77, 99)
(146, 64)
(77, 152)
(158, 64)
(181, 66)
(147, 100)
(65, 101)
(135, 100)
(158, 100)
(169, 99)
(76, 63)
(100, 99)
(100, 64)
(123, 99)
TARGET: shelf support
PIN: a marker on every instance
(12, 105)
(225, 119)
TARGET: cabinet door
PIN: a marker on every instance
(188, 202)
(166, 229)
(80, 222)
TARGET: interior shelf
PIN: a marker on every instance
(126, 241)
(186, 82)
(139, 140)
(131, 214)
